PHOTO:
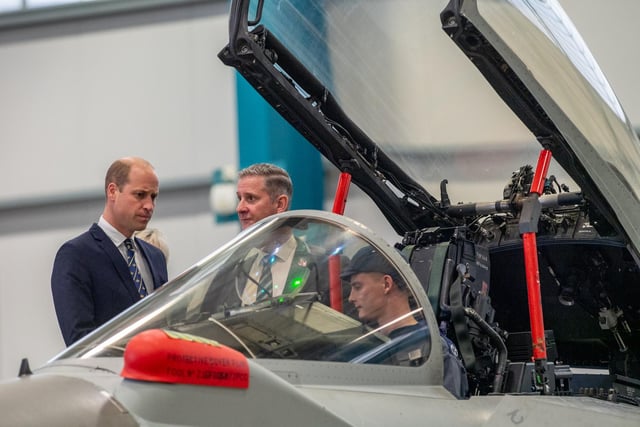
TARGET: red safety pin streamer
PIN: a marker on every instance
(528, 228)
(339, 203)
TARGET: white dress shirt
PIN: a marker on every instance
(118, 239)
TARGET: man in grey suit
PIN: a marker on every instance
(262, 190)
(106, 270)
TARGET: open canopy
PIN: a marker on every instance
(403, 110)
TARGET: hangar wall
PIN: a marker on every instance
(75, 95)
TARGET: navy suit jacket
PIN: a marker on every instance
(91, 282)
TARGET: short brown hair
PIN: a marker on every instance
(118, 172)
(277, 180)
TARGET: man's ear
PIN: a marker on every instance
(282, 203)
(111, 190)
(388, 282)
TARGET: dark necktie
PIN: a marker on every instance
(133, 269)
(265, 284)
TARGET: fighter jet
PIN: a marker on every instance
(520, 310)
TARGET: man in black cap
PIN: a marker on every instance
(380, 296)
(377, 292)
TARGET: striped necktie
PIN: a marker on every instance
(133, 269)
(265, 283)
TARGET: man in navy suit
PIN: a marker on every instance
(91, 280)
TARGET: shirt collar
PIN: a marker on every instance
(285, 250)
(116, 237)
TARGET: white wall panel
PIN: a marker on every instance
(74, 96)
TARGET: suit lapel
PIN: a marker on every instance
(249, 259)
(119, 264)
(300, 269)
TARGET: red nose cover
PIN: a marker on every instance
(171, 357)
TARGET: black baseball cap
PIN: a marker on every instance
(368, 260)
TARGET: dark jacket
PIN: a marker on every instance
(91, 282)
(305, 275)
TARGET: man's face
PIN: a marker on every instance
(132, 205)
(254, 202)
(368, 295)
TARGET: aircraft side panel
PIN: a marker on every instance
(422, 406)
(268, 401)
(59, 401)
